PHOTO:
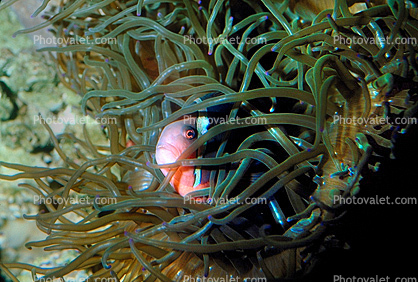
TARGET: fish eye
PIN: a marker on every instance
(190, 133)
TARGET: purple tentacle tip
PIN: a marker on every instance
(126, 233)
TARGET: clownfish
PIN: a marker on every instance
(174, 139)
(177, 136)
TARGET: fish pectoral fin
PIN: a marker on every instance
(197, 177)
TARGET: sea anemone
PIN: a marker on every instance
(312, 83)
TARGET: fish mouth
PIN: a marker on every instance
(167, 153)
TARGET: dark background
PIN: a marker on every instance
(382, 237)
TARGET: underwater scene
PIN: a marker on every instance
(218, 140)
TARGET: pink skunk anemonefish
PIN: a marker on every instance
(177, 136)
(174, 139)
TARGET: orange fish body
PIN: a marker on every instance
(174, 140)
